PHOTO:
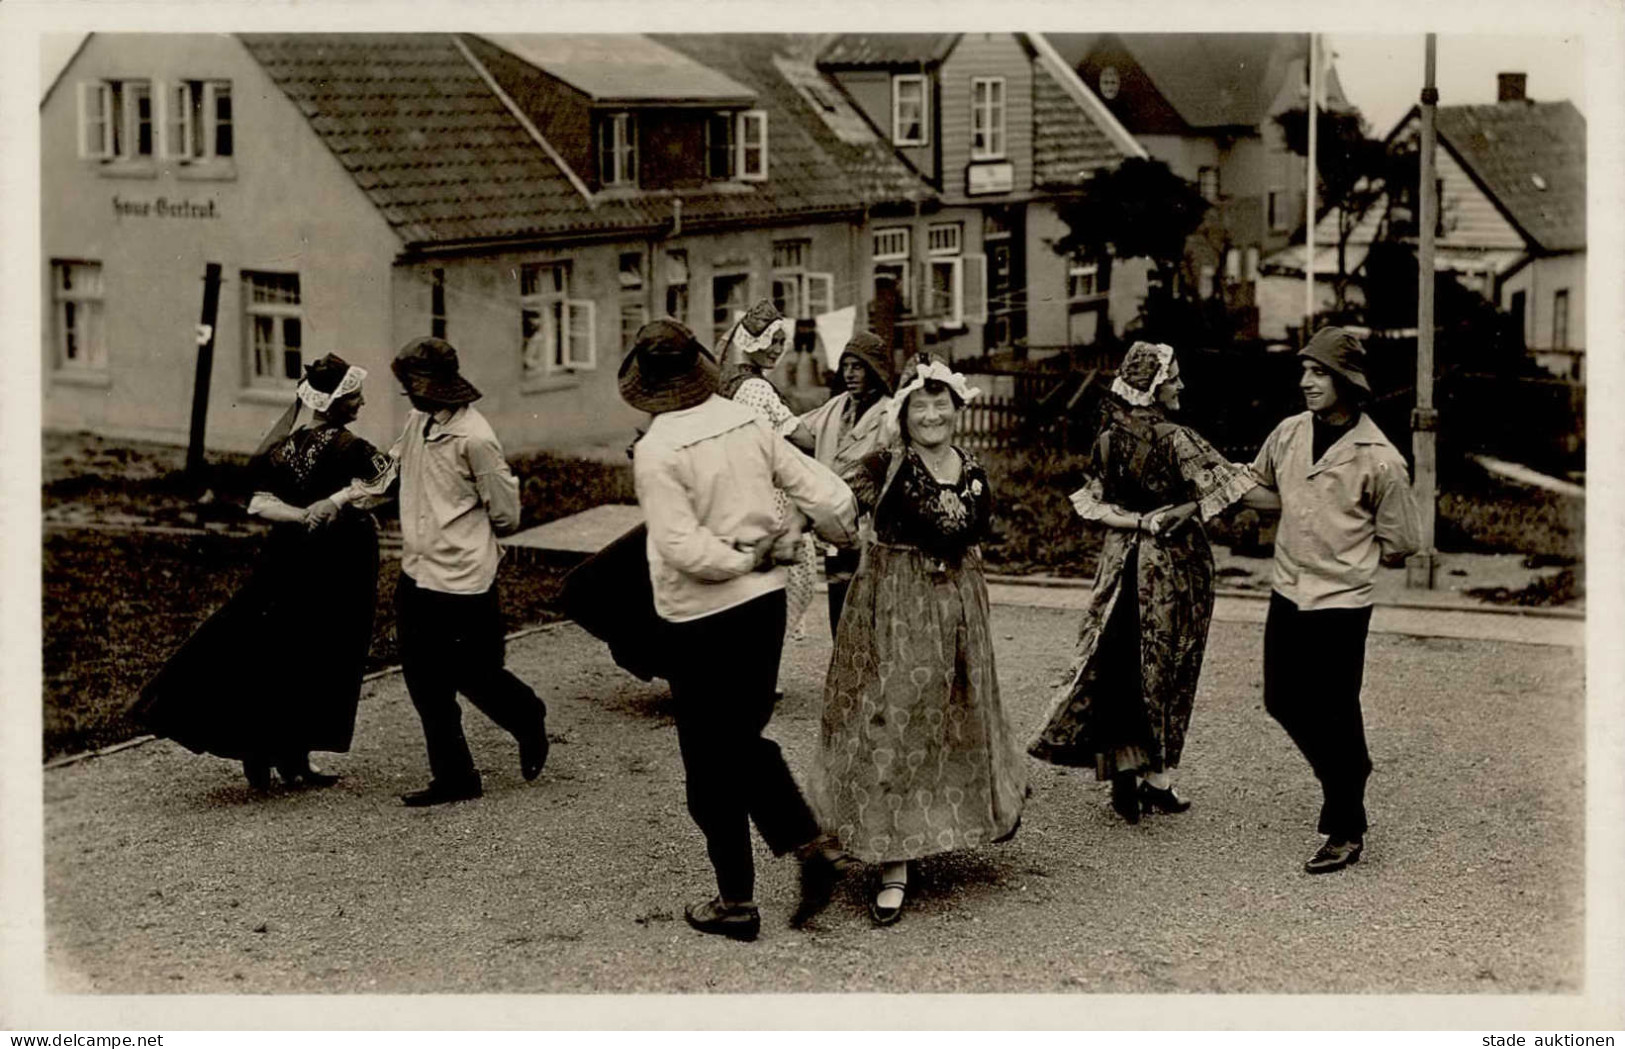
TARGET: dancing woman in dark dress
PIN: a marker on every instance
(276, 672)
(1127, 706)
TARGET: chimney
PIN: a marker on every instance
(1511, 87)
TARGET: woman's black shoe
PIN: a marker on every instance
(1126, 796)
(1159, 799)
(888, 915)
(258, 773)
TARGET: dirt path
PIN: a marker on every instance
(164, 875)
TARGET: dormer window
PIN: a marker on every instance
(908, 111)
(736, 146)
(618, 149)
(987, 118)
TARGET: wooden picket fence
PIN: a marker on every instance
(992, 424)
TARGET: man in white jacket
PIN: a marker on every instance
(705, 473)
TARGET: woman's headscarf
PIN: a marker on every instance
(753, 333)
(1145, 367)
(326, 380)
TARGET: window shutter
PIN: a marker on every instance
(86, 151)
(179, 131)
(974, 284)
(581, 329)
(925, 298)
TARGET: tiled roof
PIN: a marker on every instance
(426, 139)
(1068, 146)
(624, 68)
(1530, 157)
(813, 162)
(445, 161)
(859, 50)
(1210, 79)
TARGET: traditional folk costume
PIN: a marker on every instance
(760, 333)
(1344, 509)
(1127, 705)
(276, 672)
(456, 495)
(706, 474)
(916, 755)
(844, 433)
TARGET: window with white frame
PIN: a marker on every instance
(1275, 207)
(630, 276)
(557, 333)
(730, 293)
(944, 238)
(274, 319)
(893, 261)
(987, 118)
(116, 120)
(76, 300)
(618, 149)
(753, 145)
(955, 285)
(198, 122)
(909, 112)
(1086, 280)
(798, 293)
(677, 286)
(634, 315)
(1207, 182)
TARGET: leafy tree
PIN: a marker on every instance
(1351, 168)
(1139, 209)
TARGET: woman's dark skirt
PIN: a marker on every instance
(277, 670)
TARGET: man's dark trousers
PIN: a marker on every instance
(723, 670)
(451, 643)
(838, 570)
(1314, 663)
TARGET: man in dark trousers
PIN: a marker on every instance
(1346, 507)
(456, 496)
(705, 473)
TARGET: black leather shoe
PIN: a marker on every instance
(740, 921)
(1334, 855)
(1126, 796)
(258, 773)
(819, 873)
(533, 751)
(888, 915)
(438, 793)
(1156, 799)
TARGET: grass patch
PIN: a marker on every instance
(118, 604)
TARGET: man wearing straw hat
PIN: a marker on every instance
(705, 473)
(1346, 506)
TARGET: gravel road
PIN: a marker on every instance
(163, 873)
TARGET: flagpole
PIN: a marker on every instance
(1313, 110)
(1425, 420)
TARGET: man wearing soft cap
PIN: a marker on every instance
(1346, 507)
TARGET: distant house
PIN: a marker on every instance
(1204, 104)
(1001, 128)
(1513, 178)
(533, 199)
(1511, 224)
